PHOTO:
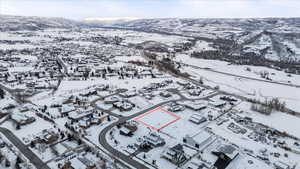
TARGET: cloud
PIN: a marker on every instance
(80, 9)
(241, 8)
(7, 8)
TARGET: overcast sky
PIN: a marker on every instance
(80, 9)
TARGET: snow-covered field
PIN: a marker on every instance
(157, 119)
(75, 71)
(135, 37)
(247, 87)
(10, 152)
(241, 70)
(202, 46)
(280, 121)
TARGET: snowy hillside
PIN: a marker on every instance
(14, 23)
(274, 39)
(149, 94)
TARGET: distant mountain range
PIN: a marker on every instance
(276, 39)
(16, 23)
(109, 20)
(269, 38)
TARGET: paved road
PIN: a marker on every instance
(63, 65)
(35, 160)
(116, 153)
(126, 158)
(12, 92)
(93, 103)
(288, 111)
(120, 155)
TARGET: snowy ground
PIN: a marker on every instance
(10, 152)
(244, 142)
(280, 121)
(157, 119)
(139, 37)
(222, 66)
(171, 126)
(249, 88)
(26, 132)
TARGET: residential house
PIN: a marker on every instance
(111, 99)
(198, 141)
(67, 108)
(154, 140)
(123, 105)
(81, 113)
(47, 136)
(281, 165)
(128, 94)
(125, 131)
(176, 155)
(197, 119)
(22, 119)
(196, 106)
(226, 154)
(217, 103)
(195, 92)
(176, 107)
(165, 94)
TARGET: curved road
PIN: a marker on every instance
(139, 165)
(126, 158)
(112, 150)
(34, 159)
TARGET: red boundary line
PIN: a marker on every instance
(168, 124)
(147, 125)
(138, 119)
(148, 112)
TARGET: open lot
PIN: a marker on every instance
(157, 119)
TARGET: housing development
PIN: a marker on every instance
(149, 94)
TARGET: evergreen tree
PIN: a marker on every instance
(2, 94)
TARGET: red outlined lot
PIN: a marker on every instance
(157, 118)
